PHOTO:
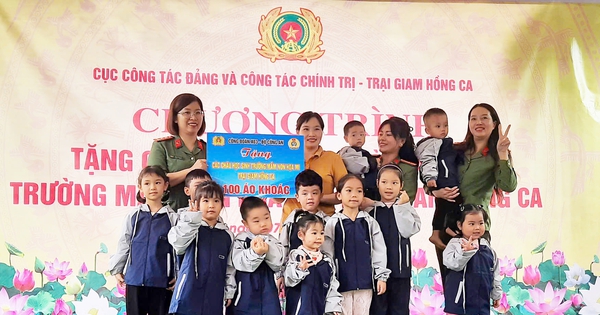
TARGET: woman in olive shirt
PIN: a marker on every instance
(181, 152)
(486, 166)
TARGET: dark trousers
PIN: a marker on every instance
(147, 300)
(394, 301)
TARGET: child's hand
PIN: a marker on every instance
(227, 302)
(496, 303)
(172, 284)
(281, 286)
(431, 183)
(259, 245)
(194, 207)
(470, 244)
(120, 279)
(403, 198)
(304, 263)
(381, 286)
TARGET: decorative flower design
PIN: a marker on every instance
(438, 286)
(503, 305)
(576, 300)
(506, 266)
(14, 305)
(591, 298)
(425, 303)
(547, 302)
(93, 304)
(576, 276)
(532, 275)
(419, 259)
(61, 308)
(83, 270)
(558, 258)
(57, 270)
(73, 286)
(23, 281)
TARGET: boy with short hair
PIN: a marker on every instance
(357, 160)
(438, 168)
(192, 180)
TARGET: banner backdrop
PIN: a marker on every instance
(86, 86)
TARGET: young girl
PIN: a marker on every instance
(143, 254)
(311, 286)
(256, 256)
(354, 240)
(206, 280)
(472, 276)
(398, 221)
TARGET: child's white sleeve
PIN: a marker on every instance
(183, 233)
(333, 301)
(117, 262)
(328, 245)
(230, 284)
(294, 275)
(245, 259)
(274, 256)
(454, 257)
(496, 285)
(379, 251)
(427, 153)
(407, 220)
(284, 239)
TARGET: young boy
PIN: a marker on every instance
(439, 168)
(256, 256)
(357, 160)
(192, 180)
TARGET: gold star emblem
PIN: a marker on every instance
(291, 33)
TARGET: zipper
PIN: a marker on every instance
(183, 278)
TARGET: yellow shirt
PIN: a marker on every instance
(330, 166)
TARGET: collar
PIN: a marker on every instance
(220, 224)
(179, 143)
(164, 209)
(318, 152)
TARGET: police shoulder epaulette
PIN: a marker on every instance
(408, 162)
(201, 144)
(164, 138)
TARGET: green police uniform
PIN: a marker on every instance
(409, 176)
(171, 154)
(480, 173)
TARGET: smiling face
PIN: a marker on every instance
(258, 221)
(473, 226)
(312, 132)
(153, 187)
(389, 185)
(481, 123)
(313, 237)
(189, 119)
(351, 194)
(387, 142)
(211, 209)
(309, 197)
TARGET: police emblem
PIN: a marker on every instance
(218, 141)
(290, 35)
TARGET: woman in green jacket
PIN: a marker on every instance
(486, 167)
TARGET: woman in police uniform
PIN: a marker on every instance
(181, 152)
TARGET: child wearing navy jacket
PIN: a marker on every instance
(473, 276)
(398, 221)
(143, 254)
(311, 285)
(206, 280)
(354, 240)
(257, 256)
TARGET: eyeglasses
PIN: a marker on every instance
(187, 114)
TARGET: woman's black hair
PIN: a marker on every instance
(402, 130)
(152, 170)
(304, 220)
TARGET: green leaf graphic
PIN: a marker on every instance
(7, 273)
(39, 266)
(517, 296)
(540, 248)
(519, 262)
(41, 303)
(13, 250)
(103, 248)
(596, 259)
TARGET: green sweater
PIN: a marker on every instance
(479, 174)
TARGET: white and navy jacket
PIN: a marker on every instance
(358, 250)
(288, 235)
(314, 290)
(397, 225)
(255, 275)
(472, 279)
(143, 254)
(438, 161)
(207, 276)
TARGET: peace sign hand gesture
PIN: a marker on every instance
(304, 263)
(503, 142)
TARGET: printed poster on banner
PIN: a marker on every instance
(255, 165)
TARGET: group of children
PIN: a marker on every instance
(354, 262)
